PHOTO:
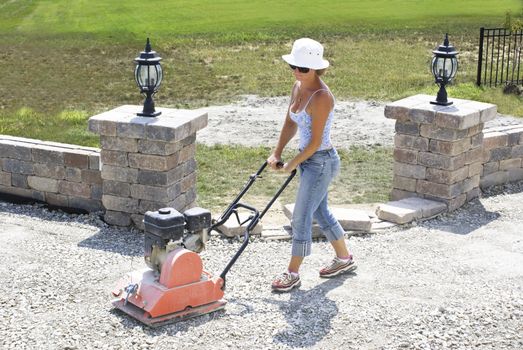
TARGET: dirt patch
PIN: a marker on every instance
(255, 121)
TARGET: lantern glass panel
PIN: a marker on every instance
(137, 74)
(454, 62)
(444, 68)
(148, 77)
(159, 75)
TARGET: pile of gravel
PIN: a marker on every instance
(454, 282)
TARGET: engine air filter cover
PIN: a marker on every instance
(197, 219)
(167, 223)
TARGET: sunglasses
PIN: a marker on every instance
(300, 69)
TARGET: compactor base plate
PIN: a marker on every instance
(189, 312)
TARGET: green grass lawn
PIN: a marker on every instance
(365, 176)
(232, 20)
(64, 61)
(77, 55)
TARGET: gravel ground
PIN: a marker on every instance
(454, 282)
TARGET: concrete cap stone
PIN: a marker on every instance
(349, 219)
(170, 126)
(429, 208)
(401, 108)
(462, 114)
(409, 209)
(398, 212)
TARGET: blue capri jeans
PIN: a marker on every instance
(316, 173)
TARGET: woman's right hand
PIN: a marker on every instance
(273, 161)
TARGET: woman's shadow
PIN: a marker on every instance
(308, 313)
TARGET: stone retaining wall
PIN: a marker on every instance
(441, 153)
(59, 174)
(502, 155)
(144, 164)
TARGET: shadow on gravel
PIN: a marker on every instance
(510, 188)
(35, 210)
(123, 242)
(308, 314)
(464, 220)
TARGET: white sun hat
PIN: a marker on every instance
(306, 53)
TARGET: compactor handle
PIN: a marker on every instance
(254, 219)
(227, 213)
(252, 224)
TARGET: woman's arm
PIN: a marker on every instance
(320, 113)
(288, 131)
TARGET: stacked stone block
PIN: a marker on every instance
(147, 163)
(438, 150)
(349, 219)
(502, 155)
(62, 175)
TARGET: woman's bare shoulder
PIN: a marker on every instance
(323, 97)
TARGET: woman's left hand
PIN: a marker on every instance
(288, 167)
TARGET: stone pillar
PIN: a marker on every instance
(438, 150)
(147, 163)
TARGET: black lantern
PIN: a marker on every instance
(148, 75)
(444, 67)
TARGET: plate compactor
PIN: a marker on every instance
(175, 286)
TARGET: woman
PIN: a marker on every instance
(310, 113)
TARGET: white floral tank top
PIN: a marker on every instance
(304, 122)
